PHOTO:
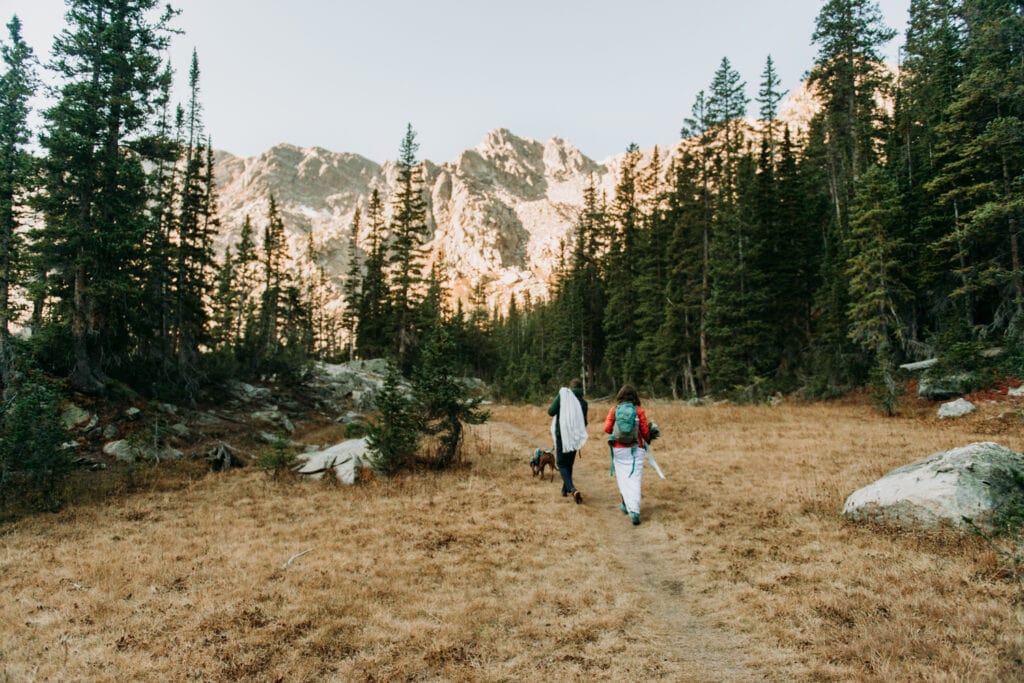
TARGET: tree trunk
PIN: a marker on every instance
(83, 375)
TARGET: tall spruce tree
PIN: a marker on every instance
(246, 278)
(768, 98)
(699, 128)
(726, 110)
(352, 286)
(739, 350)
(195, 227)
(680, 334)
(620, 329)
(850, 79)
(930, 73)
(793, 259)
(654, 261)
(373, 329)
(981, 174)
(582, 291)
(224, 303)
(96, 201)
(273, 276)
(18, 83)
(407, 231)
(877, 280)
(157, 343)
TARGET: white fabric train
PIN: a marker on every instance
(570, 419)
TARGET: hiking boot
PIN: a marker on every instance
(564, 494)
(576, 495)
(635, 516)
(623, 508)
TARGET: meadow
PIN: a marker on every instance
(742, 570)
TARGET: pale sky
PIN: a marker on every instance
(347, 75)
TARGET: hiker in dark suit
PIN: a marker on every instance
(569, 428)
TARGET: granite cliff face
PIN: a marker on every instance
(496, 214)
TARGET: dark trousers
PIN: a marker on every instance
(565, 461)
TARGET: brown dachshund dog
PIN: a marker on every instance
(542, 459)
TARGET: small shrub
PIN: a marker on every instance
(886, 392)
(393, 439)
(33, 464)
(278, 459)
(355, 430)
(444, 400)
(1007, 539)
(960, 357)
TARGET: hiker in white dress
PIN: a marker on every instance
(628, 433)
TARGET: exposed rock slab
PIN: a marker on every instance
(344, 459)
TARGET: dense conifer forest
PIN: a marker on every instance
(765, 260)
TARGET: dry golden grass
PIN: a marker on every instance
(742, 570)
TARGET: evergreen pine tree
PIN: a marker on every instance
(679, 336)
(699, 128)
(877, 281)
(246, 263)
(274, 254)
(792, 259)
(18, 83)
(96, 201)
(195, 226)
(849, 77)
(620, 329)
(726, 109)
(352, 286)
(982, 165)
(930, 74)
(225, 303)
(442, 399)
(768, 97)
(737, 308)
(157, 341)
(392, 441)
(408, 226)
(373, 328)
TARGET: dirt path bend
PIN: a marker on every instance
(699, 645)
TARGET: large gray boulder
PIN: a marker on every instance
(976, 482)
(344, 460)
(957, 408)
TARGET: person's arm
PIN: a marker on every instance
(645, 426)
(553, 410)
(609, 421)
(583, 404)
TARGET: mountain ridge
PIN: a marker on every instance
(496, 214)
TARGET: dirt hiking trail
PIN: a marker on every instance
(696, 646)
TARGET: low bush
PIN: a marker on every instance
(33, 462)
